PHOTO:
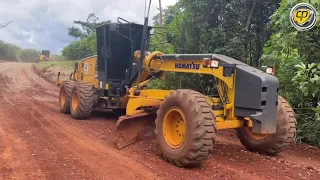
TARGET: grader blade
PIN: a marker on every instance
(129, 128)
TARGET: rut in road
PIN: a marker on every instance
(38, 142)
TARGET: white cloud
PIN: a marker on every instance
(44, 24)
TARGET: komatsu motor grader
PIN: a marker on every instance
(186, 121)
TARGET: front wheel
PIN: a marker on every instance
(272, 144)
(185, 128)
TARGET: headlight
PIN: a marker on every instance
(210, 63)
(214, 64)
(269, 70)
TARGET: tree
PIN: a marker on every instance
(88, 26)
(12, 52)
(307, 79)
(9, 52)
(4, 25)
(295, 56)
(29, 55)
(257, 33)
(92, 41)
(77, 50)
(235, 28)
(87, 45)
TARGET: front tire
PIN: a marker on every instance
(272, 144)
(81, 101)
(185, 128)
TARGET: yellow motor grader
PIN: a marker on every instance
(45, 56)
(186, 121)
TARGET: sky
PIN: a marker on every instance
(43, 24)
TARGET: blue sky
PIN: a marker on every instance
(43, 24)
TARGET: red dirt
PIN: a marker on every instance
(38, 142)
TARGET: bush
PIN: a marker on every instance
(29, 55)
(307, 79)
(9, 52)
(12, 52)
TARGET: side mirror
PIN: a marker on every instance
(169, 38)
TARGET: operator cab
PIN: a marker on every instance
(135, 65)
(117, 65)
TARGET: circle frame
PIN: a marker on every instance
(314, 15)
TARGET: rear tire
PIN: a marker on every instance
(81, 100)
(65, 95)
(272, 144)
(199, 132)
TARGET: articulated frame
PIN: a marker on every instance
(153, 97)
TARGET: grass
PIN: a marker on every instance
(50, 69)
(62, 65)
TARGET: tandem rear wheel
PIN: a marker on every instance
(185, 128)
(272, 144)
(81, 103)
(65, 96)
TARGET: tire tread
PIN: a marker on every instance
(203, 135)
(85, 105)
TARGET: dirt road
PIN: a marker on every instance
(38, 142)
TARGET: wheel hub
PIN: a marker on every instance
(63, 98)
(174, 127)
(255, 136)
(75, 100)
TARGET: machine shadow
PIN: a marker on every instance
(104, 115)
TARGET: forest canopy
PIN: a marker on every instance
(257, 33)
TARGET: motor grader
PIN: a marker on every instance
(45, 56)
(186, 121)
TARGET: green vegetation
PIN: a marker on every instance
(264, 36)
(296, 56)
(87, 45)
(29, 55)
(57, 57)
(78, 49)
(12, 52)
(63, 65)
(50, 69)
(88, 27)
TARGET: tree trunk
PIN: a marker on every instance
(250, 15)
